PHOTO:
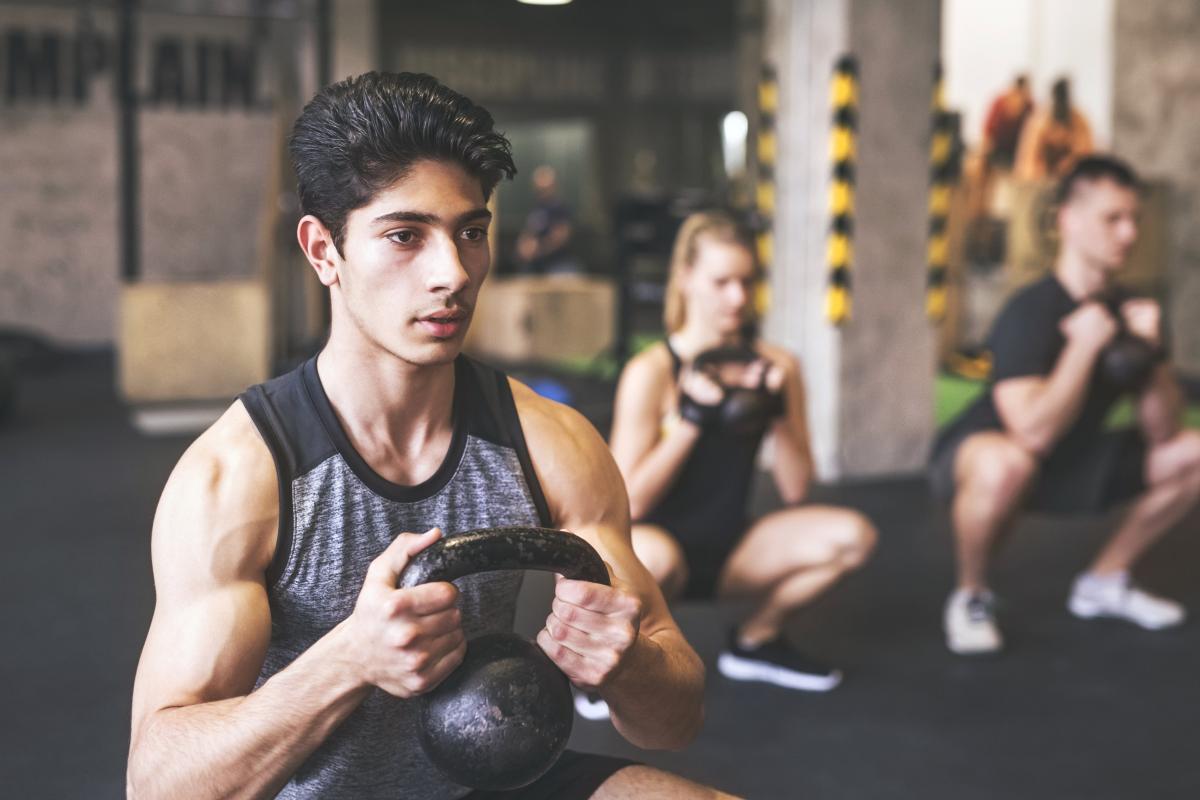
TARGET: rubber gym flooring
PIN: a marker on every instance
(1072, 710)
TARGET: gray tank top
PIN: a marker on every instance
(337, 515)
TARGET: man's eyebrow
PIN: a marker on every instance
(433, 219)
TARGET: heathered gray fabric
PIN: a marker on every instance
(339, 527)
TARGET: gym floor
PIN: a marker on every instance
(1072, 710)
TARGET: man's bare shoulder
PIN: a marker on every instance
(550, 424)
(221, 502)
(571, 459)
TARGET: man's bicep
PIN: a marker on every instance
(203, 648)
(1014, 396)
(213, 537)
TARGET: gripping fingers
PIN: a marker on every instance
(442, 659)
(573, 665)
(423, 600)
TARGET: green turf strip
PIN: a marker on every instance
(952, 394)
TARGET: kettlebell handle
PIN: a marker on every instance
(516, 547)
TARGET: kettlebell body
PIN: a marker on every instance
(1128, 361)
(743, 410)
(503, 717)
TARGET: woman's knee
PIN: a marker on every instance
(862, 540)
(662, 556)
(852, 539)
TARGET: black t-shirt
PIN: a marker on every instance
(1026, 341)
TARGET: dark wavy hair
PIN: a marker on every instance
(360, 135)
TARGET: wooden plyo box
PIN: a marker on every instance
(192, 341)
(543, 318)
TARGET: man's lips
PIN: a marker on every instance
(443, 324)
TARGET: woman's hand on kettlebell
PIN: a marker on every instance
(405, 641)
(700, 387)
(1143, 318)
(591, 629)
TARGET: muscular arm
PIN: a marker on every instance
(649, 459)
(793, 467)
(198, 729)
(655, 692)
(1160, 406)
(1036, 410)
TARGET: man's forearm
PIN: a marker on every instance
(657, 698)
(1160, 407)
(246, 746)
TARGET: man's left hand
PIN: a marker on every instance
(591, 630)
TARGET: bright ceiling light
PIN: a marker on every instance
(544, 2)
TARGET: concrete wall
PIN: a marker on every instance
(985, 44)
(870, 381)
(888, 357)
(204, 170)
(1157, 101)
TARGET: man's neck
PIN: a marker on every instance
(1079, 277)
(397, 415)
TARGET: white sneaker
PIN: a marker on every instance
(970, 623)
(590, 706)
(1116, 597)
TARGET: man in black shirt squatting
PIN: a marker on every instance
(1036, 439)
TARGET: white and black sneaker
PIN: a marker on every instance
(776, 662)
(970, 623)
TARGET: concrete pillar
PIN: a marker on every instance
(870, 380)
(354, 38)
(1157, 87)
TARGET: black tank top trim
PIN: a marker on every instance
(296, 421)
(497, 395)
(373, 480)
(262, 413)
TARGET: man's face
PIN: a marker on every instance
(1100, 223)
(412, 263)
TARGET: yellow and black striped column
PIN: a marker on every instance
(941, 179)
(764, 189)
(844, 152)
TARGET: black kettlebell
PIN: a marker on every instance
(503, 717)
(743, 409)
(1128, 360)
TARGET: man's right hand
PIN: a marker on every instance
(1090, 325)
(405, 641)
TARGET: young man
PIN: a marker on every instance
(282, 657)
(1036, 439)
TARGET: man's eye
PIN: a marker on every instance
(402, 237)
(474, 234)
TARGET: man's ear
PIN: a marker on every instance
(317, 243)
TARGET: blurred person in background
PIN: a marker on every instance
(689, 478)
(1038, 438)
(1005, 120)
(544, 244)
(1054, 138)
